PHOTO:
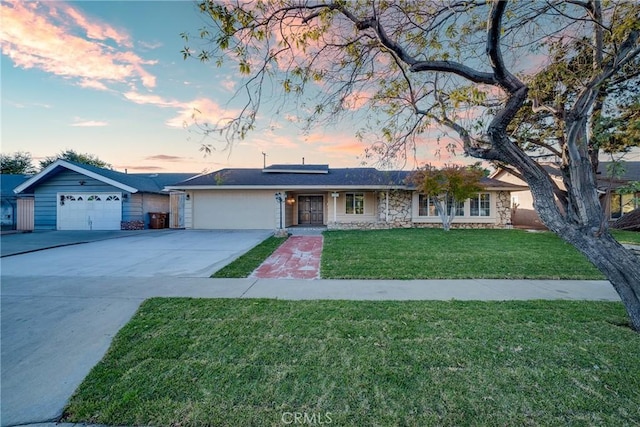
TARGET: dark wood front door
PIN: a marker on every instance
(310, 210)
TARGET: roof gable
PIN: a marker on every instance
(132, 183)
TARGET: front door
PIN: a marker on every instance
(310, 210)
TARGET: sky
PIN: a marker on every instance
(109, 79)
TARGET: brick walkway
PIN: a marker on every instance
(297, 258)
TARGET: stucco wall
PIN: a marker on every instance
(233, 209)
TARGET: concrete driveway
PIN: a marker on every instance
(180, 253)
(61, 307)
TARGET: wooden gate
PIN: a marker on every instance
(24, 219)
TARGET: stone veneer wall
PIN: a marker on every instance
(400, 214)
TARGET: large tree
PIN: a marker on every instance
(19, 163)
(475, 68)
(74, 156)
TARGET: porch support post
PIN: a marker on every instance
(335, 196)
(386, 211)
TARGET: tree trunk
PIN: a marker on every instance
(619, 265)
(579, 225)
(441, 208)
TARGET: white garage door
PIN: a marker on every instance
(230, 209)
(89, 211)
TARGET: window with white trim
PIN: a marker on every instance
(354, 203)
(427, 206)
(622, 204)
(480, 205)
(459, 207)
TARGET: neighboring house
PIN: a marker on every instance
(9, 201)
(75, 196)
(281, 196)
(615, 205)
(618, 204)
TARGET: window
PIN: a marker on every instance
(427, 206)
(622, 204)
(355, 203)
(480, 205)
(459, 207)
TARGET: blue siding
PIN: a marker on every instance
(66, 181)
(132, 209)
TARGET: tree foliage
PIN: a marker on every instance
(74, 156)
(516, 82)
(19, 163)
(448, 186)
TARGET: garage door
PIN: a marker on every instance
(89, 211)
(230, 209)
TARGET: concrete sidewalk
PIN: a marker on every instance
(55, 329)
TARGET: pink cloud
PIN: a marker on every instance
(158, 101)
(43, 35)
(97, 30)
(90, 123)
(92, 84)
(357, 99)
(202, 111)
(338, 144)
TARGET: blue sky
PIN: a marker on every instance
(108, 78)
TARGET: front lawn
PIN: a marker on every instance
(245, 264)
(457, 254)
(628, 237)
(234, 362)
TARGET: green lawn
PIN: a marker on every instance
(245, 264)
(457, 254)
(629, 237)
(233, 362)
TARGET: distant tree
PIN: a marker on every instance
(447, 188)
(19, 163)
(74, 156)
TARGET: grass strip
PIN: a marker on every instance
(247, 263)
(232, 362)
(628, 237)
(456, 254)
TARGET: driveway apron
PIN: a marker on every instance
(297, 258)
(60, 308)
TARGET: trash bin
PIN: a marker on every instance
(164, 219)
(156, 220)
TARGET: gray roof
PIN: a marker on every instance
(297, 168)
(332, 178)
(631, 171)
(141, 182)
(8, 182)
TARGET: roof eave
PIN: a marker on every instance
(286, 187)
(317, 187)
(61, 163)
